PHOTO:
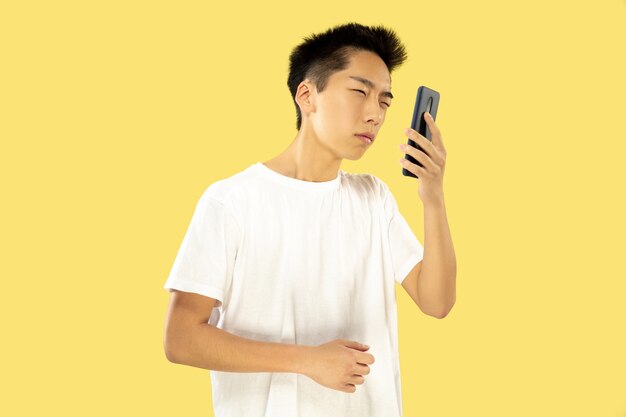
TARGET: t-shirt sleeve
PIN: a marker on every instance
(206, 258)
(406, 250)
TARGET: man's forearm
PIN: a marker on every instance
(437, 282)
(206, 346)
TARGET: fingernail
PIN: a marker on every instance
(407, 131)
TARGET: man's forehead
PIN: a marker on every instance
(367, 80)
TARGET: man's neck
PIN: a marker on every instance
(306, 162)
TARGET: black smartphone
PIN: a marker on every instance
(427, 100)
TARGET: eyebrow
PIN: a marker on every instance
(371, 85)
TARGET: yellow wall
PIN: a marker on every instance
(115, 116)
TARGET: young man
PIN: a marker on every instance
(284, 285)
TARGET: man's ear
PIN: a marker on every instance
(305, 97)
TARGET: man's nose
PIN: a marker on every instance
(374, 113)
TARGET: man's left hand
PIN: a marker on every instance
(432, 158)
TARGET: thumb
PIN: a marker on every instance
(355, 345)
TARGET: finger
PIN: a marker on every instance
(365, 358)
(362, 369)
(413, 151)
(434, 129)
(414, 168)
(357, 379)
(421, 156)
(422, 141)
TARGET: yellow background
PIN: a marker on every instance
(115, 117)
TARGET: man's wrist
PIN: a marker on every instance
(302, 358)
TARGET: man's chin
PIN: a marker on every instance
(354, 156)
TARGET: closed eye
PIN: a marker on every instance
(361, 91)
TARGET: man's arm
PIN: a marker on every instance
(432, 282)
(190, 340)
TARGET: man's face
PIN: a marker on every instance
(355, 101)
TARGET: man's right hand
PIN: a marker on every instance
(339, 364)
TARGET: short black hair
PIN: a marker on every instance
(321, 55)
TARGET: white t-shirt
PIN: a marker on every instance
(300, 262)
